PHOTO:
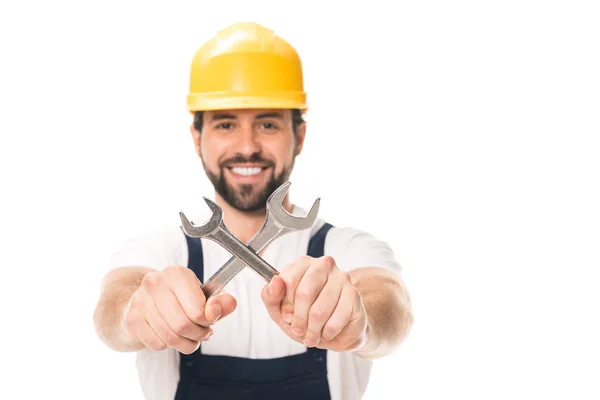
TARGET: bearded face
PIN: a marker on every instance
(248, 154)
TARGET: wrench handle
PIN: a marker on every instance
(233, 266)
(217, 282)
(244, 254)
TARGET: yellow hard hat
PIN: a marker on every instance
(246, 66)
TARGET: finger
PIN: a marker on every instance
(166, 334)
(309, 288)
(292, 274)
(343, 314)
(136, 328)
(149, 338)
(219, 306)
(186, 287)
(272, 295)
(323, 308)
(173, 314)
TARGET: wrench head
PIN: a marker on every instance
(209, 227)
(283, 218)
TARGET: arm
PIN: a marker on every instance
(388, 308)
(365, 311)
(117, 288)
(149, 300)
(142, 307)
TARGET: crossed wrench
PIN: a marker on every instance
(278, 223)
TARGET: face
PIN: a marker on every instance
(247, 154)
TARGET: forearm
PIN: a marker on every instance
(388, 308)
(116, 290)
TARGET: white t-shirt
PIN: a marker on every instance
(249, 332)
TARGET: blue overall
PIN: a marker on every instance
(297, 377)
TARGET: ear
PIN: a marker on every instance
(196, 139)
(300, 134)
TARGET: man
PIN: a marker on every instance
(313, 331)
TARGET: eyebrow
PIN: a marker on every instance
(222, 116)
(218, 117)
(270, 115)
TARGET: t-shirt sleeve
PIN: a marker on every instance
(353, 248)
(154, 249)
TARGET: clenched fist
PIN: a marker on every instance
(315, 303)
(169, 309)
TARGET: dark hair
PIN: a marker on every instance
(296, 120)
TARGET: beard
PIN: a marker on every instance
(247, 197)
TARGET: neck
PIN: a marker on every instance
(245, 224)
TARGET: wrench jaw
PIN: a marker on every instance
(277, 197)
(311, 217)
(289, 221)
(208, 228)
(283, 218)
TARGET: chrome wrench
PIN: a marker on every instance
(278, 223)
(216, 230)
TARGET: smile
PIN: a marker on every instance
(247, 174)
(246, 171)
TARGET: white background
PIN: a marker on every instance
(463, 133)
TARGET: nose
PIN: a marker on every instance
(248, 144)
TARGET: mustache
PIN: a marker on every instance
(240, 159)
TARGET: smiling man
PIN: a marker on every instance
(313, 332)
(245, 178)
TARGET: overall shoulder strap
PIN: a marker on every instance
(195, 257)
(316, 249)
(316, 246)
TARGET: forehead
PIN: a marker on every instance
(247, 114)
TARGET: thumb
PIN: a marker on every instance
(272, 295)
(220, 306)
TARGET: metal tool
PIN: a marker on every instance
(278, 222)
(216, 230)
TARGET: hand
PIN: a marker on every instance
(316, 304)
(169, 309)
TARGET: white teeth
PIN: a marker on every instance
(246, 171)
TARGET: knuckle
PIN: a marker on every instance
(317, 314)
(151, 279)
(197, 314)
(172, 269)
(292, 282)
(171, 339)
(345, 277)
(330, 331)
(327, 262)
(176, 270)
(183, 326)
(303, 294)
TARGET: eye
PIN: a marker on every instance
(269, 126)
(225, 125)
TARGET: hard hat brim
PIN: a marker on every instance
(228, 102)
